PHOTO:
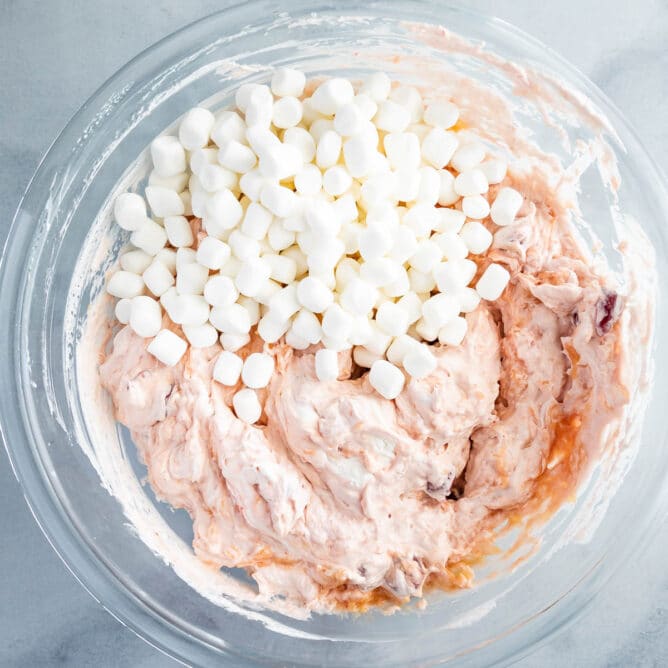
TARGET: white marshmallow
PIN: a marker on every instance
(130, 211)
(228, 125)
(362, 331)
(380, 271)
(337, 323)
(336, 180)
(223, 212)
(212, 253)
(451, 220)
(302, 140)
(392, 319)
(251, 184)
(423, 219)
(386, 379)
(471, 182)
(441, 114)
(188, 310)
(405, 244)
(328, 149)
(200, 158)
(281, 163)
(213, 178)
(258, 107)
(135, 261)
(287, 112)
(243, 247)
(283, 269)
(287, 82)
(158, 279)
(379, 342)
(406, 185)
(348, 119)
(284, 304)
(200, 336)
(494, 170)
(326, 365)
(168, 156)
(375, 241)
(358, 297)
(409, 98)
(412, 305)
(427, 330)
(506, 206)
(391, 116)
(167, 347)
(447, 194)
(402, 150)
(451, 245)
(307, 326)
(438, 147)
(124, 284)
(227, 369)
(493, 282)
(252, 276)
(430, 186)
(279, 236)
(440, 309)
(420, 281)
(236, 156)
(256, 222)
(475, 206)
(176, 182)
(150, 237)
(426, 256)
(178, 231)
(164, 202)
(469, 299)
(468, 156)
(233, 342)
(308, 181)
(257, 370)
(332, 94)
(453, 275)
(377, 86)
(185, 256)
(476, 237)
(195, 128)
(231, 319)
(366, 105)
(419, 361)
(247, 406)
(267, 291)
(400, 286)
(453, 332)
(358, 154)
(253, 307)
(122, 310)
(191, 279)
(365, 358)
(279, 200)
(271, 329)
(294, 341)
(400, 347)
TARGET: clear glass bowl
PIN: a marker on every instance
(61, 241)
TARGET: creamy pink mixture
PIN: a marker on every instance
(338, 497)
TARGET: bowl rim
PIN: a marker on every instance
(41, 500)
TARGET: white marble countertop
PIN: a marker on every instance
(54, 55)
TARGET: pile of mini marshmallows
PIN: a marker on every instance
(345, 218)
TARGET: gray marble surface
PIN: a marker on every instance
(52, 57)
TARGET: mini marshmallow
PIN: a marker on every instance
(232, 319)
(494, 170)
(475, 206)
(392, 117)
(279, 200)
(267, 291)
(409, 98)
(257, 370)
(145, 316)
(358, 154)
(279, 236)
(164, 202)
(224, 210)
(308, 181)
(328, 149)
(179, 232)
(271, 329)
(366, 105)
(375, 241)
(438, 147)
(377, 86)
(233, 342)
(469, 300)
(252, 276)
(228, 125)
(440, 309)
(314, 295)
(253, 307)
(167, 347)
(468, 156)
(176, 182)
(243, 247)
(191, 279)
(402, 149)
(450, 220)
(400, 347)
(287, 82)
(493, 282)
(423, 219)
(326, 365)
(421, 282)
(307, 326)
(301, 140)
(227, 369)
(284, 304)
(447, 194)
(287, 112)
(213, 178)
(430, 186)
(412, 305)
(358, 297)
(386, 379)
(451, 245)
(399, 286)
(336, 180)
(195, 128)
(236, 156)
(283, 269)
(258, 107)
(251, 184)
(476, 237)
(453, 275)
(453, 332)
(472, 182)
(441, 114)
(348, 119)
(405, 244)
(419, 361)
(168, 156)
(427, 330)
(122, 310)
(188, 310)
(365, 358)
(185, 256)
(392, 319)
(150, 237)
(247, 406)
(332, 94)
(426, 256)
(158, 279)
(212, 253)
(135, 261)
(124, 284)
(336, 323)
(380, 271)
(200, 336)
(294, 341)
(506, 206)
(130, 211)
(281, 163)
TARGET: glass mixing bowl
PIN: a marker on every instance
(61, 242)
